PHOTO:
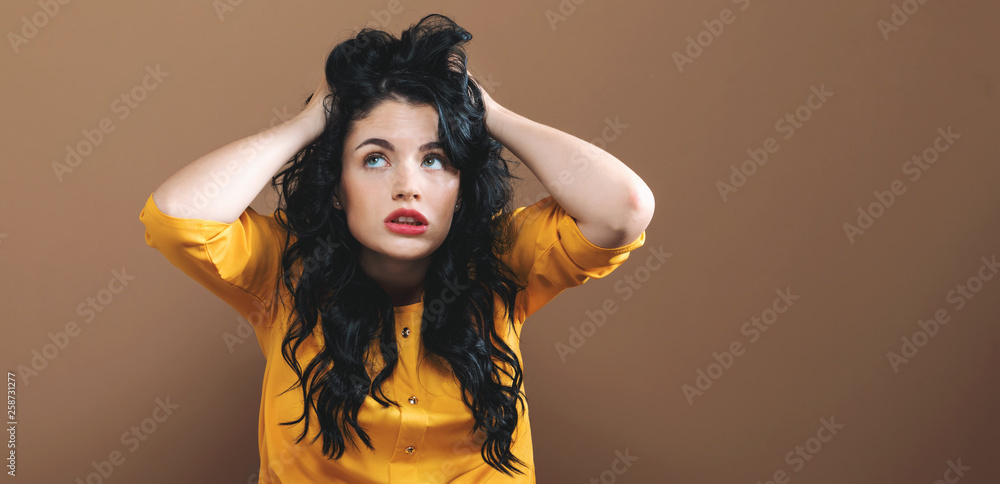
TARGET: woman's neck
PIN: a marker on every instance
(403, 280)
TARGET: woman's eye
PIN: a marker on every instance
(435, 157)
(375, 156)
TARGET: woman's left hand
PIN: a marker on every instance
(488, 102)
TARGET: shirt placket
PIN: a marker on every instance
(413, 416)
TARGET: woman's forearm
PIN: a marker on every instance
(611, 204)
(221, 184)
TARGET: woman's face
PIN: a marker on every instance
(392, 160)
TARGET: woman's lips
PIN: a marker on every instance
(405, 229)
(406, 212)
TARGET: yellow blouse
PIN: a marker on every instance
(429, 437)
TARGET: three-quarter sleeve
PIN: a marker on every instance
(238, 262)
(551, 254)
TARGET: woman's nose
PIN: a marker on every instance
(406, 182)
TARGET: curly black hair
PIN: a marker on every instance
(427, 65)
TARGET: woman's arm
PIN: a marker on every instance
(611, 204)
(221, 184)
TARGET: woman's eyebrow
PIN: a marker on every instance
(387, 145)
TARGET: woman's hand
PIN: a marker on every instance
(313, 116)
(487, 100)
(492, 108)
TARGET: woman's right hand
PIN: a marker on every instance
(314, 114)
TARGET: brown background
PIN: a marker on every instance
(825, 357)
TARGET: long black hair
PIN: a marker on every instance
(427, 65)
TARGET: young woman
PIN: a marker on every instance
(389, 287)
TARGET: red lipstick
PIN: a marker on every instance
(414, 222)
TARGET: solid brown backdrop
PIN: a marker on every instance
(678, 378)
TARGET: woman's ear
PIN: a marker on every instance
(336, 198)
